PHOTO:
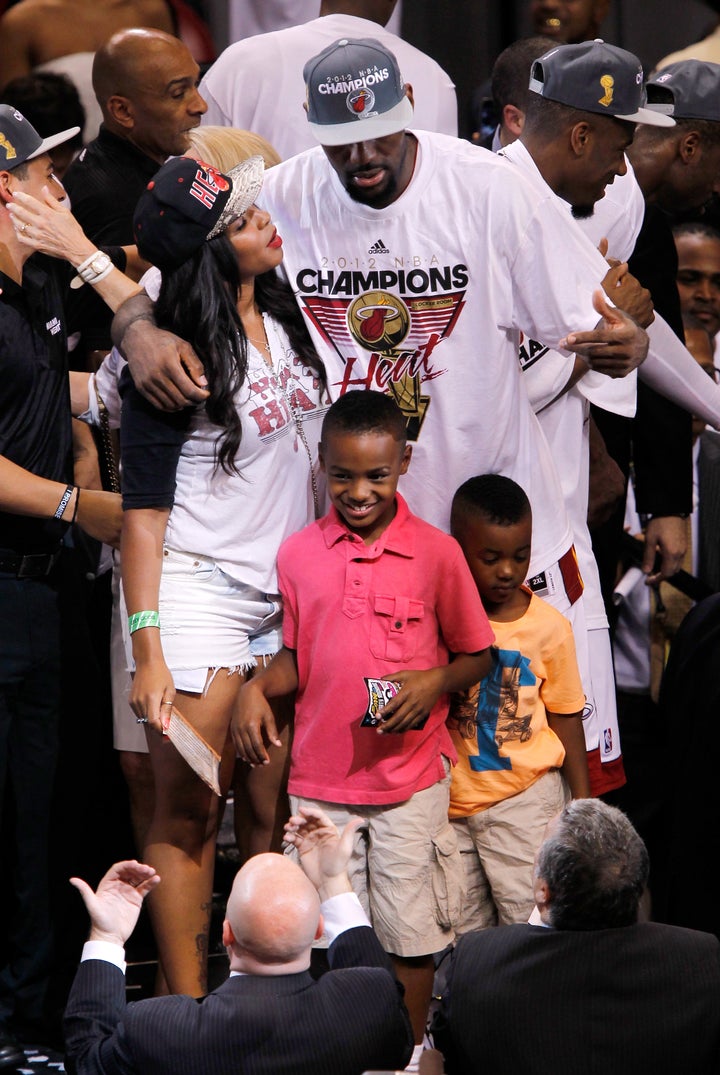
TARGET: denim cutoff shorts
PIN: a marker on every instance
(208, 620)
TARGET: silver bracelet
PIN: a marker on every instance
(102, 275)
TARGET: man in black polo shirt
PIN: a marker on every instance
(146, 83)
(37, 503)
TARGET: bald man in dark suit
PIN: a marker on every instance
(270, 1015)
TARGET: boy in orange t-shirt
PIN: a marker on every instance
(518, 733)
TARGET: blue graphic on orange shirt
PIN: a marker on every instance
(497, 717)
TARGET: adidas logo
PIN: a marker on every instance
(378, 248)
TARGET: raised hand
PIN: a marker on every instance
(115, 905)
(324, 852)
(615, 346)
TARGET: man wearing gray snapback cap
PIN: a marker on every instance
(582, 106)
(670, 384)
(679, 169)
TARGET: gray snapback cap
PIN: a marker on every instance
(20, 142)
(593, 76)
(355, 92)
(689, 89)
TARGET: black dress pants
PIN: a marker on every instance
(29, 709)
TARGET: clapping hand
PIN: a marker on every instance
(115, 906)
(324, 852)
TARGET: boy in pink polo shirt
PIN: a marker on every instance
(376, 601)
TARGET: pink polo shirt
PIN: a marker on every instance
(354, 611)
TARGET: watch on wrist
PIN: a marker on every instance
(96, 266)
(99, 263)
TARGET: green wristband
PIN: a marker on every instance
(143, 619)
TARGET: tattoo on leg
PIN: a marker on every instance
(202, 946)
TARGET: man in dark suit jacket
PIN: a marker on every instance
(590, 989)
(270, 1015)
(689, 701)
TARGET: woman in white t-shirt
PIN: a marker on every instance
(209, 494)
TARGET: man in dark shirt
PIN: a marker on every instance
(37, 503)
(592, 959)
(678, 170)
(146, 83)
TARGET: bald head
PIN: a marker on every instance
(121, 63)
(146, 83)
(272, 917)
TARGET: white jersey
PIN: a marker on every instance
(249, 17)
(426, 299)
(618, 217)
(565, 422)
(240, 519)
(257, 84)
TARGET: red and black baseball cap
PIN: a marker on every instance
(188, 202)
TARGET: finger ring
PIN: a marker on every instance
(23, 227)
(141, 720)
(167, 703)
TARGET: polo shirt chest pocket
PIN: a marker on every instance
(395, 627)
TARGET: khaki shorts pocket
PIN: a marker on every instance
(447, 878)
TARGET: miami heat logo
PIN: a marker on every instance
(360, 102)
(378, 320)
(207, 184)
(608, 84)
(386, 342)
(212, 177)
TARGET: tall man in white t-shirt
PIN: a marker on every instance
(419, 290)
(418, 260)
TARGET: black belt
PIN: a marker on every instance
(32, 565)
